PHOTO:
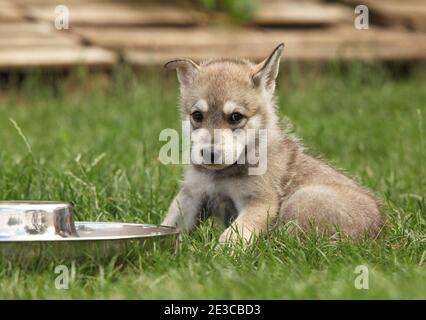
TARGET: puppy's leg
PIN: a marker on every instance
(330, 209)
(230, 213)
(185, 210)
(252, 220)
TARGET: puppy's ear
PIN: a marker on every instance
(186, 70)
(266, 72)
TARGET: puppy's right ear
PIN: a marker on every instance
(186, 70)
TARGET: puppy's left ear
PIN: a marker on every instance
(267, 71)
(186, 70)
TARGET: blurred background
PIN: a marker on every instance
(84, 97)
(102, 33)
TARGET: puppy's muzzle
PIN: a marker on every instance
(211, 156)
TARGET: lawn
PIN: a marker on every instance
(93, 140)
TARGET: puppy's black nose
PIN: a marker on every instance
(210, 156)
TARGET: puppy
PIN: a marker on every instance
(281, 183)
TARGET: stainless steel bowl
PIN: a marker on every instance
(47, 229)
(36, 220)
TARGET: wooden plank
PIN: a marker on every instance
(339, 43)
(303, 13)
(119, 14)
(117, 38)
(195, 38)
(54, 57)
(144, 58)
(58, 2)
(24, 34)
(36, 29)
(9, 12)
(31, 41)
(25, 28)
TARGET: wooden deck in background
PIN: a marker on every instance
(103, 32)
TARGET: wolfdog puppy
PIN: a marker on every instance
(236, 97)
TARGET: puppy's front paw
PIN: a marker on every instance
(233, 235)
(227, 236)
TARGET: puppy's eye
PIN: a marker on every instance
(197, 116)
(235, 117)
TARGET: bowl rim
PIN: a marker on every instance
(35, 202)
(171, 232)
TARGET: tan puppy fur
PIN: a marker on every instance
(297, 189)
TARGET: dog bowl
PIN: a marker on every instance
(47, 229)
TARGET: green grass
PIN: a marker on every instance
(95, 142)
